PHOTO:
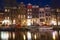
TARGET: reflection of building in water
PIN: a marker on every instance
(7, 35)
(29, 35)
(4, 35)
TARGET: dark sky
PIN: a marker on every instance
(36, 2)
(54, 3)
(1, 5)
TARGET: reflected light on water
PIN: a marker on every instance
(4, 35)
(29, 35)
(13, 35)
(55, 34)
(9, 34)
(35, 36)
(24, 37)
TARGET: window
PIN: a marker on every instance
(7, 10)
(41, 12)
(29, 16)
(47, 14)
(42, 20)
(28, 10)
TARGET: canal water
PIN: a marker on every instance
(29, 35)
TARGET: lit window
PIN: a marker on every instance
(14, 21)
(28, 22)
(29, 16)
(53, 22)
(28, 9)
(6, 10)
(8, 22)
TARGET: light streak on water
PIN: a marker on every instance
(55, 35)
(35, 36)
(4, 35)
(24, 37)
(29, 35)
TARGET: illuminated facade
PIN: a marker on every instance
(29, 11)
(45, 15)
(41, 16)
(58, 15)
(48, 14)
(22, 14)
(35, 14)
(11, 12)
(10, 7)
(30, 15)
(1, 16)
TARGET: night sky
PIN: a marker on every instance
(41, 3)
(36, 2)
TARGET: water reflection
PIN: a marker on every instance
(35, 36)
(55, 35)
(4, 35)
(28, 35)
(24, 37)
(7, 35)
